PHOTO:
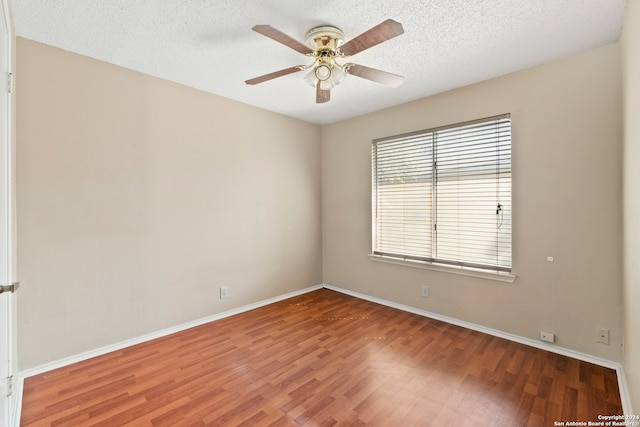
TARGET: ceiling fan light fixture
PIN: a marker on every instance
(337, 74)
(311, 78)
(326, 84)
(326, 75)
(323, 72)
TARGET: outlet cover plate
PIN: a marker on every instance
(603, 336)
(547, 336)
(425, 291)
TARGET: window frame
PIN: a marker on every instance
(462, 267)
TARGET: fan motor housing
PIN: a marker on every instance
(324, 37)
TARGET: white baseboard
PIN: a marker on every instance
(622, 384)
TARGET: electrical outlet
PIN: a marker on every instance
(602, 336)
(547, 336)
(425, 291)
(224, 292)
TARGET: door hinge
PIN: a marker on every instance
(10, 82)
(8, 386)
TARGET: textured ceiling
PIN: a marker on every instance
(209, 45)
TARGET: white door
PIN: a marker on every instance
(7, 265)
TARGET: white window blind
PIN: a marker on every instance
(444, 195)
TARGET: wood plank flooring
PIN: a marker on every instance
(323, 359)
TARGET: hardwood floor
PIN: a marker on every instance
(323, 359)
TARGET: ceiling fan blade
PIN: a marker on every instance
(277, 35)
(378, 76)
(376, 35)
(280, 73)
(322, 95)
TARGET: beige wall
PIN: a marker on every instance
(566, 194)
(630, 46)
(137, 198)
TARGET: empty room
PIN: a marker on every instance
(281, 213)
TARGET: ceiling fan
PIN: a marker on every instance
(325, 44)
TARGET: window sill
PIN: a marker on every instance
(498, 276)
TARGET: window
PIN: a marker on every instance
(444, 195)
